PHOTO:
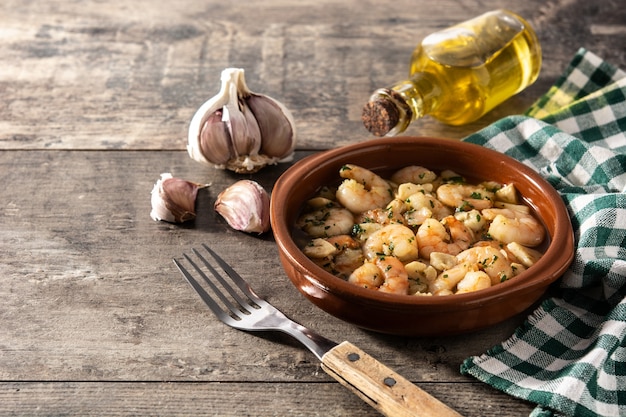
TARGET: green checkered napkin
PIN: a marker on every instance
(570, 355)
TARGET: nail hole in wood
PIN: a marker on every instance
(389, 381)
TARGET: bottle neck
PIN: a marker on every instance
(391, 110)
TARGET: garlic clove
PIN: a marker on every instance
(243, 129)
(259, 130)
(276, 126)
(245, 206)
(215, 144)
(203, 153)
(173, 199)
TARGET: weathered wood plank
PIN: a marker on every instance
(82, 399)
(93, 75)
(90, 292)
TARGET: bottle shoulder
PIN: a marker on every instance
(472, 43)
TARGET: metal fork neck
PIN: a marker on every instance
(316, 343)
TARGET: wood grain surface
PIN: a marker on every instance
(129, 75)
(95, 99)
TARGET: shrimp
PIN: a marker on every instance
(417, 217)
(393, 213)
(385, 273)
(446, 281)
(473, 281)
(412, 211)
(488, 259)
(510, 226)
(349, 255)
(426, 204)
(465, 197)
(477, 268)
(432, 236)
(394, 240)
(343, 242)
(326, 222)
(520, 256)
(414, 174)
(395, 277)
(367, 275)
(362, 190)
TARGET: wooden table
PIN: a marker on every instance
(95, 102)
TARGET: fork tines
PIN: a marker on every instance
(211, 274)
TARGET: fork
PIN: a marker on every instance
(236, 304)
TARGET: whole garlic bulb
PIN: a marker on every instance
(241, 130)
(173, 199)
(245, 205)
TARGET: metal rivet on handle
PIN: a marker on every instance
(389, 381)
(353, 357)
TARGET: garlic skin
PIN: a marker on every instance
(241, 130)
(245, 205)
(173, 199)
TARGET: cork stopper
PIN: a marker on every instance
(380, 116)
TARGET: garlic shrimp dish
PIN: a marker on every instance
(420, 232)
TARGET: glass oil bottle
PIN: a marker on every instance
(459, 74)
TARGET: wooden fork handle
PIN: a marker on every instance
(379, 386)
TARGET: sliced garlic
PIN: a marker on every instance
(319, 248)
(245, 205)
(173, 199)
(526, 256)
(241, 130)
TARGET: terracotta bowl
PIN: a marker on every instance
(414, 315)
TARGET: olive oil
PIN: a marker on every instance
(459, 74)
